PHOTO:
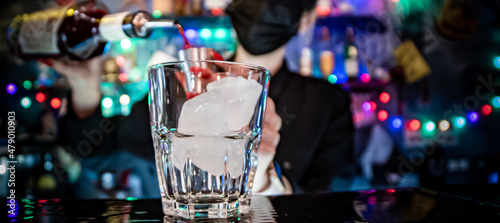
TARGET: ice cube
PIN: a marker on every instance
(236, 156)
(240, 96)
(203, 115)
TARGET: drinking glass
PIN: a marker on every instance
(205, 161)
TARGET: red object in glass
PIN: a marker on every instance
(414, 125)
(486, 110)
(202, 72)
(190, 95)
(181, 31)
(384, 97)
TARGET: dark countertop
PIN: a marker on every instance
(460, 203)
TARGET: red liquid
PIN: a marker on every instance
(181, 31)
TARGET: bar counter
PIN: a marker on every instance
(458, 203)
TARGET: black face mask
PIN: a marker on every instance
(265, 25)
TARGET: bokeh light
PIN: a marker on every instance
(496, 102)
(414, 125)
(55, 103)
(365, 78)
(486, 110)
(384, 97)
(26, 102)
(156, 14)
(383, 115)
(205, 33)
(27, 84)
(366, 106)
(40, 97)
(430, 126)
(220, 34)
(397, 123)
(460, 122)
(11, 88)
(123, 77)
(190, 33)
(124, 99)
(373, 106)
(125, 44)
(323, 10)
(444, 125)
(107, 103)
(121, 61)
(473, 117)
(332, 78)
(216, 11)
(496, 62)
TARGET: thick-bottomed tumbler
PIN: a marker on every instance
(206, 122)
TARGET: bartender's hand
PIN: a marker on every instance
(84, 78)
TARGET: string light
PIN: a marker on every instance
(444, 125)
(123, 77)
(156, 14)
(486, 110)
(365, 78)
(55, 103)
(332, 78)
(384, 97)
(382, 115)
(460, 122)
(190, 33)
(11, 88)
(473, 117)
(373, 106)
(26, 102)
(414, 125)
(366, 106)
(430, 126)
(121, 61)
(323, 10)
(40, 97)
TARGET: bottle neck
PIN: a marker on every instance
(115, 27)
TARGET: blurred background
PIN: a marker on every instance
(423, 75)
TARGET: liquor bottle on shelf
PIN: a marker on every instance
(79, 31)
(306, 68)
(327, 58)
(351, 55)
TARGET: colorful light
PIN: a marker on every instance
(11, 88)
(323, 10)
(216, 11)
(220, 33)
(444, 125)
(384, 97)
(40, 97)
(460, 122)
(26, 102)
(486, 110)
(27, 84)
(125, 44)
(365, 78)
(496, 102)
(342, 78)
(156, 14)
(373, 106)
(124, 99)
(123, 77)
(414, 125)
(121, 61)
(383, 115)
(473, 117)
(496, 62)
(395, 1)
(332, 79)
(397, 123)
(430, 126)
(366, 106)
(190, 33)
(107, 103)
(205, 33)
(55, 103)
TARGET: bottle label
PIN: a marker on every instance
(38, 33)
(111, 28)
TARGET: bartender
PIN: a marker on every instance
(308, 128)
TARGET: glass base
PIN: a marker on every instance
(209, 210)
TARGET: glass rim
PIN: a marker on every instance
(252, 66)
